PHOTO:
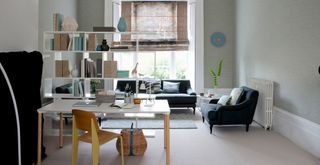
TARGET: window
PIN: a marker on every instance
(164, 56)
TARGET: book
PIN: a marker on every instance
(122, 105)
(91, 44)
(104, 29)
(64, 41)
(58, 68)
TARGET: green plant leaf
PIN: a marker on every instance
(220, 67)
(212, 74)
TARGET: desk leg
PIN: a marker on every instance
(39, 137)
(164, 131)
(167, 137)
(61, 131)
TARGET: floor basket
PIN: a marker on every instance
(134, 142)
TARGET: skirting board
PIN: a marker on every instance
(302, 132)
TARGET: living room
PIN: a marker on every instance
(272, 40)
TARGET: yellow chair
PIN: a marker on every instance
(86, 121)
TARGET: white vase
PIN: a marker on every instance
(74, 71)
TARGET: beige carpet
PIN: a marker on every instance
(226, 146)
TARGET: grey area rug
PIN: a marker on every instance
(179, 119)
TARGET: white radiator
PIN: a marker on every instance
(263, 113)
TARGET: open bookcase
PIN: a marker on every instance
(81, 66)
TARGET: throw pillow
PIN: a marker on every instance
(171, 87)
(224, 100)
(155, 86)
(235, 95)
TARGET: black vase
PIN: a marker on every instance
(104, 46)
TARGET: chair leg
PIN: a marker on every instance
(75, 143)
(211, 125)
(202, 119)
(194, 110)
(247, 127)
(122, 158)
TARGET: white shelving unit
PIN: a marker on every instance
(72, 47)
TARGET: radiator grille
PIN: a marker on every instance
(263, 113)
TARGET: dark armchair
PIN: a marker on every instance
(240, 113)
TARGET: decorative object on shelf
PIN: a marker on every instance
(127, 94)
(215, 75)
(74, 72)
(218, 39)
(122, 25)
(104, 46)
(69, 24)
(134, 71)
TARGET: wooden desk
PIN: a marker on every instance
(65, 106)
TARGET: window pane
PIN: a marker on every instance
(162, 70)
(146, 63)
(125, 60)
(181, 64)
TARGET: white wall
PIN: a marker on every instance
(219, 16)
(279, 41)
(19, 25)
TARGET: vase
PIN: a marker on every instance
(122, 25)
(104, 46)
(74, 71)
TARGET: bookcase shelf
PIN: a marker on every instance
(73, 49)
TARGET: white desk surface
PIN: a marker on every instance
(65, 106)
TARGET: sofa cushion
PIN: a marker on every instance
(155, 86)
(224, 100)
(171, 87)
(235, 95)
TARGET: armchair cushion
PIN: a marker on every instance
(235, 95)
(171, 87)
(224, 100)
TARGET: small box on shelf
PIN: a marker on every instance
(122, 73)
(110, 69)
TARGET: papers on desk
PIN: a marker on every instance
(122, 105)
(86, 104)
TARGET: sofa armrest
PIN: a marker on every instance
(238, 107)
(213, 101)
(191, 92)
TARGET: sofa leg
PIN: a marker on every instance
(211, 125)
(247, 127)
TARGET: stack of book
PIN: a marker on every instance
(104, 29)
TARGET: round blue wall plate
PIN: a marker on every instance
(218, 39)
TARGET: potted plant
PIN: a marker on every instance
(215, 74)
